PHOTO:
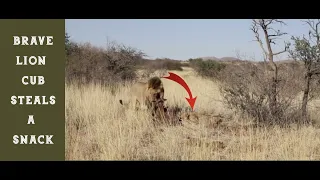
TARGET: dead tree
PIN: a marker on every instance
(308, 51)
(270, 35)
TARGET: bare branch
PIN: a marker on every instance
(268, 22)
(280, 22)
(313, 25)
(269, 38)
(279, 52)
(255, 29)
(286, 48)
(314, 30)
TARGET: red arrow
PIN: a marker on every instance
(180, 81)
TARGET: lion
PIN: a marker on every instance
(149, 94)
(207, 119)
(189, 116)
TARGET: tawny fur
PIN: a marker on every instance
(147, 93)
(189, 116)
(209, 120)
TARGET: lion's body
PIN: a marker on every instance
(147, 93)
(190, 116)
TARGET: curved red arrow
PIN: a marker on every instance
(180, 81)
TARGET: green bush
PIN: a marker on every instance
(160, 64)
(208, 68)
(87, 63)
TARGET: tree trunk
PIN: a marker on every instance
(305, 97)
(273, 91)
(274, 80)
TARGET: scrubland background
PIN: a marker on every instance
(234, 120)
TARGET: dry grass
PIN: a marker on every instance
(99, 128)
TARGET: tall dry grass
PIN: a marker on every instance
(99, 128)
